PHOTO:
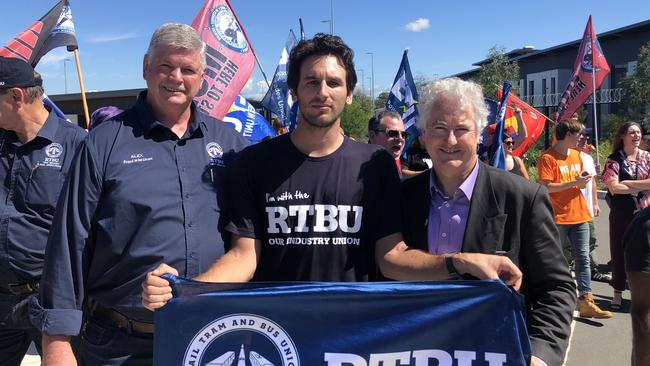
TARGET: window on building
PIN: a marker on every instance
(531, 87)
(553, 86)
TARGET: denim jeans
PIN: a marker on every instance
(578, 235)
(566, 247)
(16, 331)
(102, 343)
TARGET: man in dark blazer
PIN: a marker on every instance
(464, 206)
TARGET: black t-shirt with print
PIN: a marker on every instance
(317, 218)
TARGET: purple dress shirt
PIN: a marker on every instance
(448, 215)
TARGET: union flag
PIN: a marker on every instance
(590, 60)
(54, 29)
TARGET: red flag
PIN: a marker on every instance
(590, 59)
(525, 130)
(54, 29)
(229, 57)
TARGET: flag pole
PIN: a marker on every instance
(593, 88)
(81, 87)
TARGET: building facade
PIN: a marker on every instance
(544, 74)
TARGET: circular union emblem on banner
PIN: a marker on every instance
(225, 28)
(214, 150)
(53, 150)
(212, 334)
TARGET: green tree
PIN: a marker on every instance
(636, 87)
(380, 101)
(421, 81)
(354, 119)
(496, 70)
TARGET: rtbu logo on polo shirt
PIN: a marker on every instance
(53, 152)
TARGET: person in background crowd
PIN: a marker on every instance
(462, 206)
(386, 129)
(636, 241)
(627, 173)
(102, 114)
(645, 138)
(279, 128)
(417, 158)
(145, 187)
(514, 164)
(36, 150)
(591, 197)
(562, 171)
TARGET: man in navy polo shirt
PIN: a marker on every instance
(146, 187)
(36, 149)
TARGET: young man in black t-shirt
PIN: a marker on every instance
(330, 210)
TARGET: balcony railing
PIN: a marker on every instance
(551, 100)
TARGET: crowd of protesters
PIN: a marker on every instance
(163, 188)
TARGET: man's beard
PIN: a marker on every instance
(316, 124)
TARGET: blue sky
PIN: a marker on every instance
(444, 37)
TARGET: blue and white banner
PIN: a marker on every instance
(278, 99)
(498, 155)
(403, 99)
(342, 324)
(245, 119)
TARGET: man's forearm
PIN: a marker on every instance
(57, 351)
(237, 265)
(406, 264)
(558, 187)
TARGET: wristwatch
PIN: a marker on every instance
(451, 269)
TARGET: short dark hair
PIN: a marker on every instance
(375, 121)
(565, 126)
(321, 45)
(505, 136)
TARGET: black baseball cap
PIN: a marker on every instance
(16, 73)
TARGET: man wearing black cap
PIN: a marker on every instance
(36, 148)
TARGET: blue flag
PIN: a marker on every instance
(341, 324)
(278, 99)
(245, 119)
(49, 103)
(498, 155)
(403, 99)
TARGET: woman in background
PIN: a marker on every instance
(514, 164)
(626, 174)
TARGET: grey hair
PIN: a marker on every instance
(176, 35)
(466, 93)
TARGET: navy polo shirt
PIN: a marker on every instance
(32, 175)
(136, 196)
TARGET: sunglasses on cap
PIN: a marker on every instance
(395, 133)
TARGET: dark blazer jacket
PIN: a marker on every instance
(509, 214)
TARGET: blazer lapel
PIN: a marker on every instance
(486, 221)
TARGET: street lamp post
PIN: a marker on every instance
(332, 17)
(363, 85)
(328, 21)
(65, 75)
(372, 75)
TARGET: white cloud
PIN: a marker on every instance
(55, 56)
(254, 90)
(103, 38)
(418, 25)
